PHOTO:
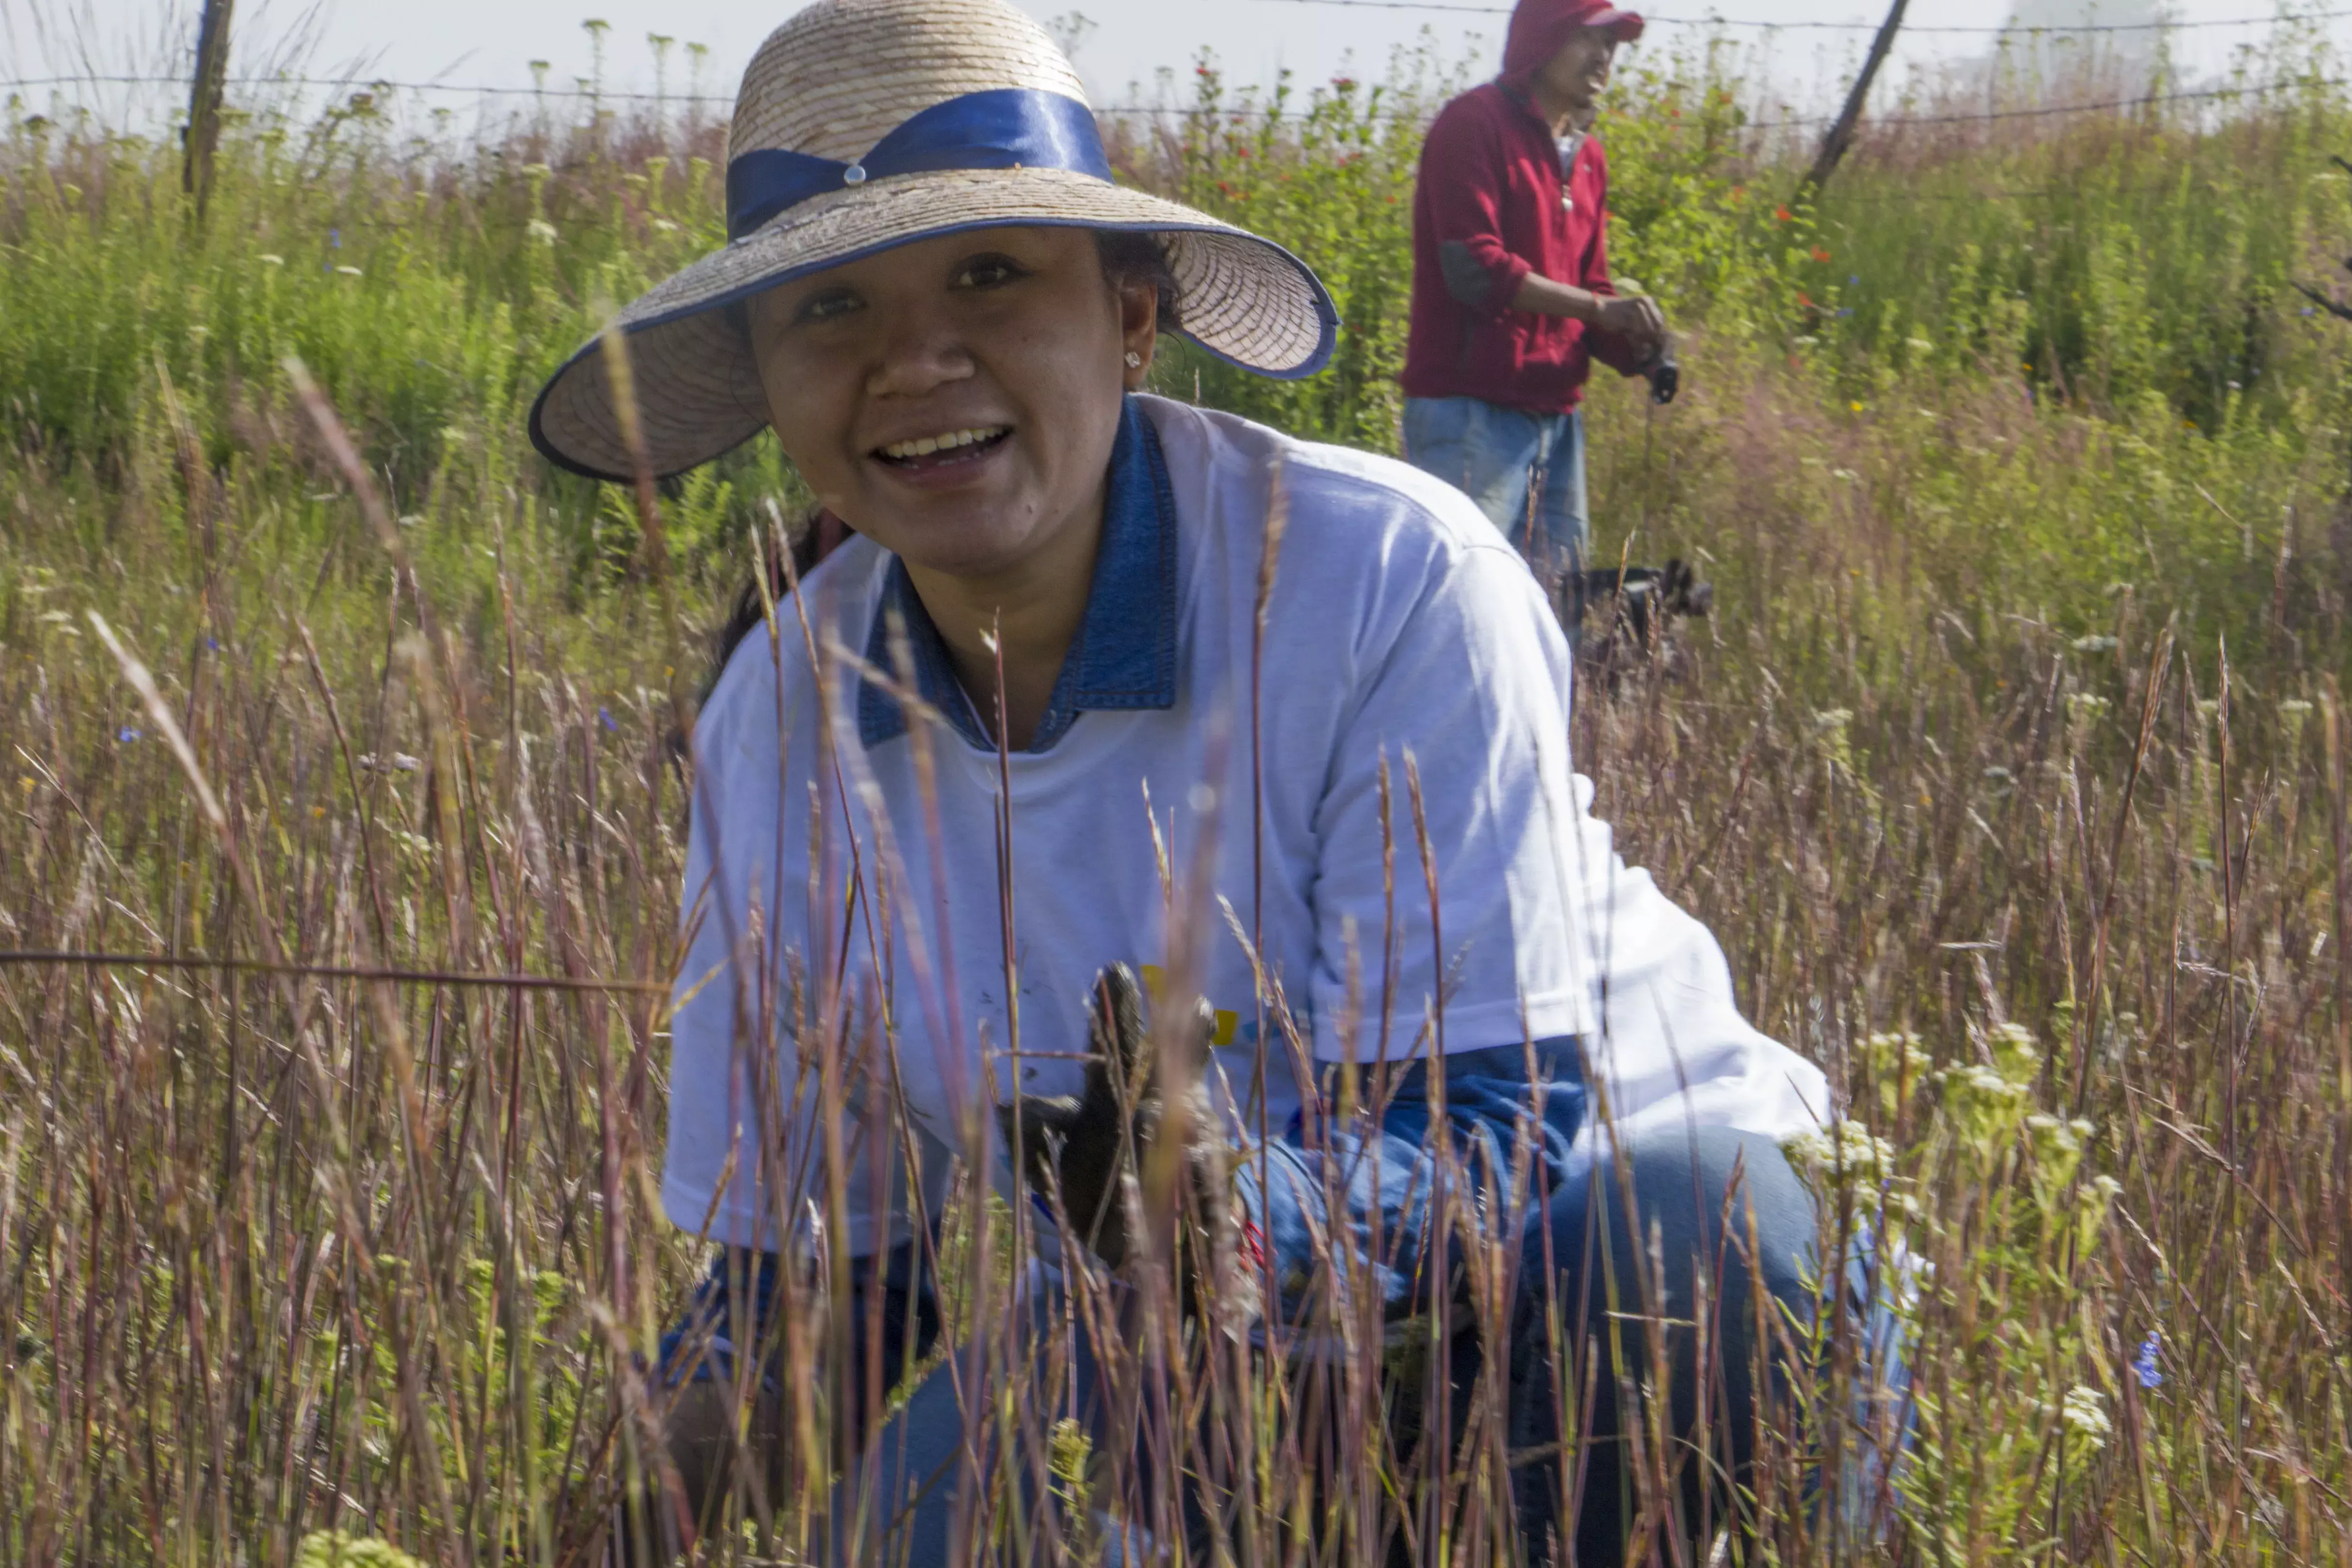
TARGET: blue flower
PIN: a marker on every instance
(212, 644)
(2308, 311)
(1851, 279)
(607, 715)
(335, 238)
(2144, 1365)
(1844, 313)
(126, 734)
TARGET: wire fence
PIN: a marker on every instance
(2273, 18)
(1243, 108)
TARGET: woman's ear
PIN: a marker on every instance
(1139, 323)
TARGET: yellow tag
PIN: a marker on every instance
(1155, 981)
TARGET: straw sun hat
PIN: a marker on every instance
(864, 124)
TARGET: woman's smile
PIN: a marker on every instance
(946, 461)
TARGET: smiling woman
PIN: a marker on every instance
(960, 397)
(929, 854)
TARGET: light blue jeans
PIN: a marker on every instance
(1580, 1250)
(1525, 470)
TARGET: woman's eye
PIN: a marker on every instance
(989, 272)
(829, 306)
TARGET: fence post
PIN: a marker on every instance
(1840, 136)
(204, 101)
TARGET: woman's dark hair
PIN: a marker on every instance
(1129, 257)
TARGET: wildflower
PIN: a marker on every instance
(1900, 1064)
(269, 260)
(1343, 84)
(1847, 1150)
(2085, 708)
(127, 734)
(2015, 1053)
(1820, 253)
(1804, 299)
(541, 230)
(607, 715)
(2093, 1199)
(334, 1549)
(2085, 1414)
(351, 271)
(1854, 406)
(1781, 213)
(1843, 312)
(334, 239)
(664, 226)
(1853, 280)
(2144, 1365)
(2094, 645)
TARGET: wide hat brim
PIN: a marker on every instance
(1243, 299)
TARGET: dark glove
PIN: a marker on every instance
(1090, 1153)
(1665, 374)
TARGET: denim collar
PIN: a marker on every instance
(1124, 653)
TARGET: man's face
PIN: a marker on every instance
(1579, 74)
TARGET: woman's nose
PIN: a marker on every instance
(920, 357)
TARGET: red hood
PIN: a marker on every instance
(1540, 29)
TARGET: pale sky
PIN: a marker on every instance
(491, 42)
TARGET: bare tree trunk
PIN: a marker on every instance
(204, 101)
(1840, 136)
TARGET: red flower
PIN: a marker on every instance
(1804, 299)
(1241, 152)
(1739, 193)
(1781, 213)
(1820, 253)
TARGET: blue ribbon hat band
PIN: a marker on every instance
(1008, 128)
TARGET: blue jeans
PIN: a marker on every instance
(1372, 1188)
(1525, 470)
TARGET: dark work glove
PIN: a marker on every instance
(1665, 374)
(1091, 1152)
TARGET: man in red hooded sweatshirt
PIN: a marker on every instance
(1511, 295)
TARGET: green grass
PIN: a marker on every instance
(2019, 713)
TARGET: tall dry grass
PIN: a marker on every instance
(2010, 774)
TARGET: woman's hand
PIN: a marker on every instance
(1099, 1154)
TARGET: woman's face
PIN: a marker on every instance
(955, 400)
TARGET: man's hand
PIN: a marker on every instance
(1637, 321)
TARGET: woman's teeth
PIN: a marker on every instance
(923, 446)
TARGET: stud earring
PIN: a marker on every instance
(1134, 360)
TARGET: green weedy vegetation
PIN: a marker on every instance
(2010, 770)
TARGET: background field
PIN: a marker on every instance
(2009, 770)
